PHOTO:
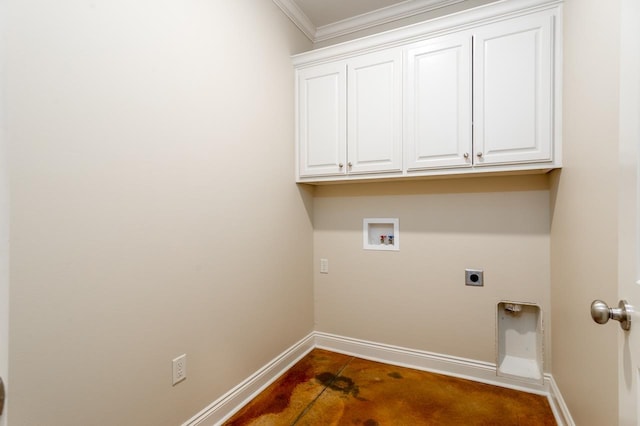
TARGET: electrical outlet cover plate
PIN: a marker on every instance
(324, 266)
(179, 369)
(474, 277)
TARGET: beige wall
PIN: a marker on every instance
(153, 214)
(584, 213)
(153, 205)
(416, 297)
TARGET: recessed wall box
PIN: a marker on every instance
(519, 345)
(381, 234)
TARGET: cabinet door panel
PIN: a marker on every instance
(321, 120)
(374, 108)
(513, 91)
(438, 103)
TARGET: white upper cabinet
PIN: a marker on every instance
(349, 116)
(374, 121)
(475, 92)
(513, 99)
(321, 120)
(438, 103)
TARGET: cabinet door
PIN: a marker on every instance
(513, 74)
(321, 120)
(438, 103)
(374, 112)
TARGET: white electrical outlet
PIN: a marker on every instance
(179, 369)
(324, 266)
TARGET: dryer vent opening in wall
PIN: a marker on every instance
(381, 234)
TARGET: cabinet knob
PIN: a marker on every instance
(479, 155)
(466, 155)
(350, 164)
(341, 165)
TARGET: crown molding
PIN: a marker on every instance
(377, 17)
(374, 18)
(298, 17)
(468, 18)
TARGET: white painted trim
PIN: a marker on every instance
(558, 406)
(467, 19)
(479, 371)
(298, 17)
(406, 9)
(228, 404)
(484, 372)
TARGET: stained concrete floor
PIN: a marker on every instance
(327, 388)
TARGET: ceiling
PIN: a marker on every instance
(324, 12)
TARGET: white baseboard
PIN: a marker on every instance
(478, 371)
(227, 405)
(560, 409)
